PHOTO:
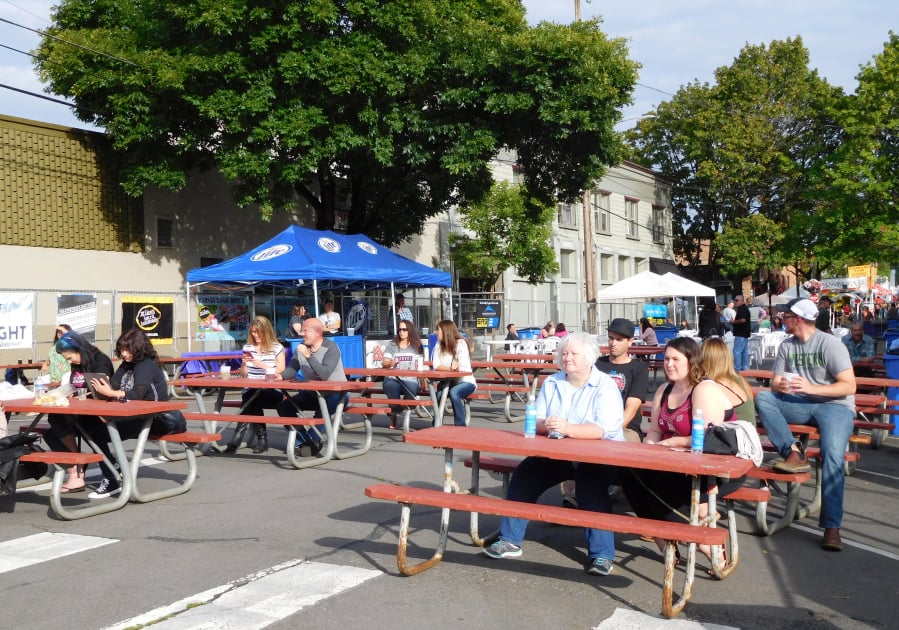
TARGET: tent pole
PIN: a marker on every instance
(315, 294)
(393, 301)
(189, 311)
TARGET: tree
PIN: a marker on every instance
(749, 244)
(755, 143)
(507, 233)
(395, 107)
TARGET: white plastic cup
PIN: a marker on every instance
(225, 372)
(350, 331)
(788, 377)
(425, 332)
(270, 374)
(82, 393)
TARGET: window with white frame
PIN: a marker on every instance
(631, 218)
(602, 212)
(567, 263)
(567, 214)
(658, 224)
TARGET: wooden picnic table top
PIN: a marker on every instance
(202, 357)
(91, 407)
(31, 365)
(236, 382)
(546, 358)
(626, 454)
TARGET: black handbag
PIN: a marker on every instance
(169, 422)
(720, 440)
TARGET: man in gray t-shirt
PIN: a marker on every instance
(814, 384)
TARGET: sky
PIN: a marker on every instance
(675, 42)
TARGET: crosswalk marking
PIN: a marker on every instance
(255, 601)
(624, 619)
(28, 550)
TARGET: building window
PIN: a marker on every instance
(567, 214)
(631, 218)
(164, 229)
(658, 224)
(606, 268)
(567, 263)
(602, 212)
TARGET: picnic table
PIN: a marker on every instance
(111, 412)
(625, 454)
(333, 423)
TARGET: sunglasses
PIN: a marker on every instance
(403, 329)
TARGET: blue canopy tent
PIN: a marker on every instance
(326, 259)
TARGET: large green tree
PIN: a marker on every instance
(502, 231)
(388, 109)
(756, 142)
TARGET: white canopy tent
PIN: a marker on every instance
(649, 285)
(763, 299)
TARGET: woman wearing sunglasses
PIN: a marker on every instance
(400, 354)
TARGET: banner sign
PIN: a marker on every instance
(222, 317)
(355, 315)
(487, 315)
(16, 320)
(78, 310)
(656, 313)
(153, 315)
(852, 283)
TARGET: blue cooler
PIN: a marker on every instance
(529, 333)
(891, 363)
(664, 334)
(888, 338)
(352, 349)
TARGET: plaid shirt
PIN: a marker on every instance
(861, 350)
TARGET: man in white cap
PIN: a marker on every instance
(813, 384)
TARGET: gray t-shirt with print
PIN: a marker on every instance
(818, 361)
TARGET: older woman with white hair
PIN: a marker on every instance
(578, 402)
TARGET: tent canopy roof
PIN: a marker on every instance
(298, 256)
(648, 285)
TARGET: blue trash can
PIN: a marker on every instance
(888, 338)
(352, 349)
(891, 363)
(664, 334)
(529, 333)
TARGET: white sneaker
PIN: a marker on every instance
(106, 489)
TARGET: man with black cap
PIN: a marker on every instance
(822, 322)
(813, 384)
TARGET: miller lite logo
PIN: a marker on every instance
(368, 248)
(271, 252)
(329, 245)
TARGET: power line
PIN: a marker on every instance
(70, 43)
(47, 98)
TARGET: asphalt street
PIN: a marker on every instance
(257, 544)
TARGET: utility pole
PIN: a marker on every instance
(589, 262)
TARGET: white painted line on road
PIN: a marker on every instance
(625, 619)
(849, 543)
(257, 600)
(876, 474)
(28, 550)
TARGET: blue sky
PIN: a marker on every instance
(676, 42)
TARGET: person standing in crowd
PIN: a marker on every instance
(742, 324)
(262, 354)
(730, 314)
(709, 322)
(451, 352)
(403, 312)
(401, 354)
(138, 377)
(579, 402)
(648, 332)
(329, 319)
(823, 321)
(317, 359)
(297, 317)
(55, 366)
(83, 357)
(814, 384)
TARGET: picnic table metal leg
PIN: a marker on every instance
(184, 486)
(670, 607)
(402, 562)
(337, 422)
(730, 553)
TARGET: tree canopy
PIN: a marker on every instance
(504, 234)
(390, 110)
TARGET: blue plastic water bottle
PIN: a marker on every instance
(697, 437)
(530, 418)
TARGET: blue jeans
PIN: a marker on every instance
(741, 353)
(400, 388)
(308, 401)
(458, 393)
(834, 424)
(535, 475)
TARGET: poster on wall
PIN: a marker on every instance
(16, 320)
(152, 314)
(78, 310)
(656, 313)
(355, 316)
(222, 317)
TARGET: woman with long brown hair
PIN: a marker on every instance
(451, 352)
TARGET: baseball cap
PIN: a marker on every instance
(804, 308)
(622, 326)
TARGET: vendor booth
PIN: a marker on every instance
(313, 259)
